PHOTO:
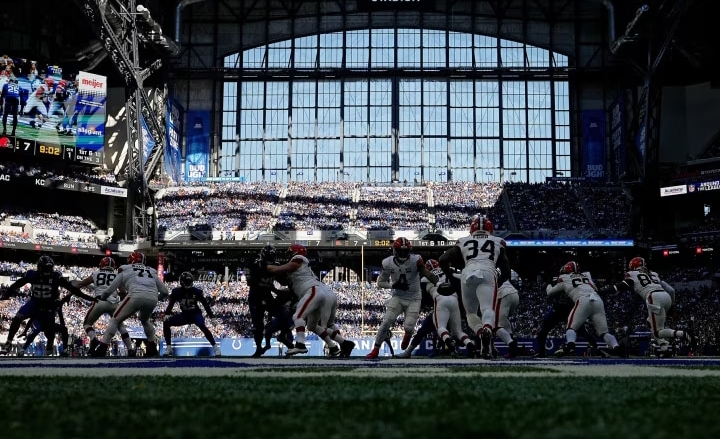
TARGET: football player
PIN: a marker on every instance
(45, 284)
(102, 279)
(143, 288)
(34, 328)
(10, 100)
(317, 304)
(401, 272)
(559, 313)
(37, 101)
(658, 296)
(482, 254)
(580, 288)
(507, 302)
(188, 296)
(260, 297)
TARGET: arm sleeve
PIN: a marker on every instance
(383, 281)
(73, 290)
(113, 286)
(553, 290)
(170, 305)
(161, 288)
(16, 286)
(447, 258)
(429, 275)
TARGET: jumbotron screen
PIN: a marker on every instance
(58, 115)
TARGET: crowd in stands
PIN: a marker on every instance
(550, 209)
(550, 206)
(49, 221)
(63, 173)
(223, 206)
(316, 206)
(358, 304)
(394, 207)
(455, 202)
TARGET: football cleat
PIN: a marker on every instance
(486, 339)
(100, 351)
(299, 348)
(152, 350)
(20, 352)
(168, 351)
(471, 350)
(406, 353)
(216, 351)
(346, 348)
(373, 354)
(334, 351)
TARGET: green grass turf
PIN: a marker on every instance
(340, 407)
(46, 134)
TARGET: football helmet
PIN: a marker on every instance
(401, 249)
(297, 249)
(45, 264)
(186, 279)
(481, 222)
(49, 82)
(637, 263)
(431, 265)
(136, 258)
(268, 253)
(570, 268)
(107, 262)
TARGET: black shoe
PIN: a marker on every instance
(152, 350)
(541, 354)
(471, 350)
(259, 351)
(93, 345)
(133, 353)
(388, 341)
(449, 347)
(346, 348)
(334, 351)
(100, 351)
(569, 350)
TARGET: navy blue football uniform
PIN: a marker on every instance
(190, 300)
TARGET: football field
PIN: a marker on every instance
(318, 398)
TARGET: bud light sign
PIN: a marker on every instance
(198, 145)
(593, 144)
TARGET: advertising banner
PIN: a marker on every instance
(173, 130)
(89, 109)
(617, 135)
(197, 153)
(593, 144)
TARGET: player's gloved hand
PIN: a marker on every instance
(400, 285)
(444, 289)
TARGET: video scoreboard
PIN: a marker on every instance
(29, 147)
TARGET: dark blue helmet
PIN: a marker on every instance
(45, 264)
(186, 280)
(268, 253)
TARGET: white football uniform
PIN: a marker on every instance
(143, 286)
(647, 285)
(446, 313)
(101, 280)
(317, 306)
(401, 302)
(580, 288)
(478, 281)
(507, 302)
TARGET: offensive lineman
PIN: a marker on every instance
(482, 254)
(317, 305)
(143, 288)
(508, 300)
(403, 269)
(101, 279)
(188, 296)
(588, 304)
(658, 296)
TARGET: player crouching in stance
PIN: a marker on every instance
(45, 284)
(143, 287)
(580, 288)
(401, 272)
(482, 254)
(317, 304)
(658, 297)
(508, 299)
(188, 296)
(102, 279)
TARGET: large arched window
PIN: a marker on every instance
(447, 105)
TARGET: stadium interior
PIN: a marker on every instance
(200, 131)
